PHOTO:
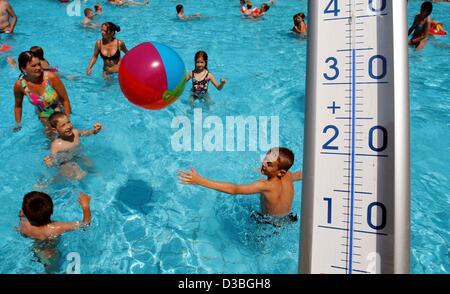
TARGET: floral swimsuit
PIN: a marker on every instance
(46, 104)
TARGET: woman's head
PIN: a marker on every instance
(179, 8)
(201, 60)
(109, 29)
(30, 64)
(426, 8)
(298, 18)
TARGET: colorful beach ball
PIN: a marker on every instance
(152, 75)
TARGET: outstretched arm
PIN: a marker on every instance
(215, 83)
(193, 178)
(97, 128)
(297, 176)
(62, 227)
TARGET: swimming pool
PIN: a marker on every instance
(144, 221)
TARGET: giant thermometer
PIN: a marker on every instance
(355, 203)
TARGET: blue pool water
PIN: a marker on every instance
(143, 220)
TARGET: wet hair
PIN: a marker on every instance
(38, 208)
(427, 6)
(265, 7)
(53, 119)
(97, 6)
(38, 52)
(285, 157)
(178, 8)
(24, 58)
(86, 11)
(203, 55)
(111, 27)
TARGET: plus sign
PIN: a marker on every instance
(334, 107)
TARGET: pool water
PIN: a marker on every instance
(143, 220)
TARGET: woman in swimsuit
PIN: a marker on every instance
(421, 26)
(200, 78)
(44, 90)
(109, 49)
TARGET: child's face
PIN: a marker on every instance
(64, 127)
(90, 14)
(200, 63)
(270, 165)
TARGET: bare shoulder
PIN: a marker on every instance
(52, 76)
(24, 228)
(56, 145)
(18, 85)
(289, 176)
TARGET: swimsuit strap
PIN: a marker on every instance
(193, 77)
(27, 90)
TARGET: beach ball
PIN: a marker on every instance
(152, 75)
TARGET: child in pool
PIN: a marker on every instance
(180, 13)
(39, 53)
(45, 65)
(67, 141)
(421, 26)
(98, 9)
(260, 12)
(299, 24)
(127, 3)
(35, 222)
(88, 17)
(247, 9)
(276, 193)
(201, 77)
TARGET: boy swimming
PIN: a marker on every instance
(35, 223)
(181, 16)
(88, 17)
(276, 193)
(67, 141)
